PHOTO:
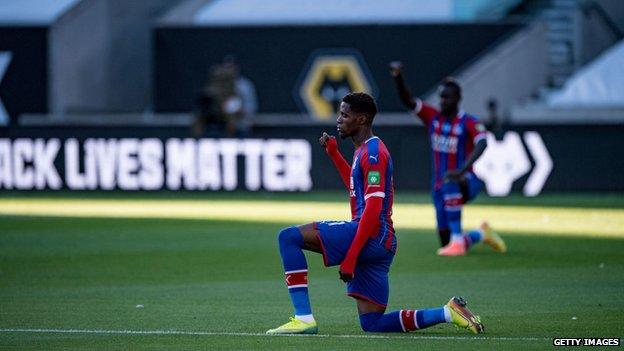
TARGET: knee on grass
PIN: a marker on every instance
(290, 236)
(369, 322)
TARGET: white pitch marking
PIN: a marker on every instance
(201, 333)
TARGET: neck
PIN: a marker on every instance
(360, 137)
(451, 114)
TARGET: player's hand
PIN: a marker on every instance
(395, 68)
(329, 143)
(347, 267)
(454, 176)
(345, 277)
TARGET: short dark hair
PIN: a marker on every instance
(450, 82)
(362, 103)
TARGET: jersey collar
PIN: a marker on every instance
(460, 114)
(371, 138)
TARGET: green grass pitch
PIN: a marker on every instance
(74, 268)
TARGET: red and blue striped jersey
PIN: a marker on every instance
(452, 139)
(371, 176)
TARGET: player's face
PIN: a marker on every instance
(449, 100)
(347, 122)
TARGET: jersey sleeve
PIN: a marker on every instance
(424, 111)
(476, 129)
(374, 166)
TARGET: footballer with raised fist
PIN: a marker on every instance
(364, 246)
(457, 140)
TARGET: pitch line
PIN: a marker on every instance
(202, 333)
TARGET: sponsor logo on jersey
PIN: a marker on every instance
(373, 178)
(442, 143)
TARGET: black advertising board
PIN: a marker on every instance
(546, 158)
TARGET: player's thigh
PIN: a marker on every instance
(335, 240)
(438, 204)
(452, 196)
(370, 283)
(365, 307)
(310, 237)
(473, 187)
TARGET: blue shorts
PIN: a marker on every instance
(370, 280)
(450, 189)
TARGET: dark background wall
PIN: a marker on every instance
(274, 57)
(23, 88)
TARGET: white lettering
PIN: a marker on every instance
(181, 164)
(150, 164)
(273, 165)
(298, 165)
(252, 148)
(209, 166)
(447, 144)
(90, 164)
(74, 179)
(6, 169)
(566, 342)
(45, 172)
(128, 164)
(229, 150)
(150, 156)
(23, 175)
(105, 158)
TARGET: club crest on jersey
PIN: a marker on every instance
(457, 130)
(373, 178)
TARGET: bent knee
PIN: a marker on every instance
(368, 322)
(369, 328)
(289, 235)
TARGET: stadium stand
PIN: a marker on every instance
(563, 36)
(91, 56)
(594, 93)
(600, 83)
(33, 12)
(252, 12)
(111, 78)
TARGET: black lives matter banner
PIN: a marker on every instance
(530, 159)
(155, 164)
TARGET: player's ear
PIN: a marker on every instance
(362, 119)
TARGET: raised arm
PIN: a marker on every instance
(420, 109)
(396, 70)
(331, 148)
